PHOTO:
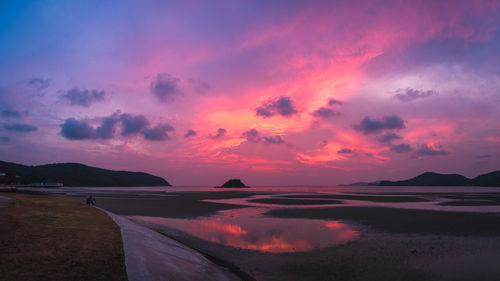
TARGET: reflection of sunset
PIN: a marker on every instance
(229, 228)
(247, 229)
(333, 225)
(278, 244)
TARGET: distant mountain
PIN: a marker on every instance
(75, 174)
(435, 179)
(490, 179)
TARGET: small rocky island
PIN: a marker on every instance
(233, 183)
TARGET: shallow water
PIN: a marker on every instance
(248, 229)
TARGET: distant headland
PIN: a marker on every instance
(75, 174)
(434, 179)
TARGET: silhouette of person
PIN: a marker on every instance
(90, 200)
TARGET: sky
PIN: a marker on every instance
(271, 92)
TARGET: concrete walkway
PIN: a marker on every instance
(6, 202)
(152, 256)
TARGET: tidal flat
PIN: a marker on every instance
(285, 235)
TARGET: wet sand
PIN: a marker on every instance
(403, 220)
(173, 205)
(282, 201)
(401, 199)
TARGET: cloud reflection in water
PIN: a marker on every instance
(247, 229)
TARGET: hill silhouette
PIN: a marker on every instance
(435, 179)
(233, 183)
(75, 174)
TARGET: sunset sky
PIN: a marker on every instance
(272, 92)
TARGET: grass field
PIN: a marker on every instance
(47, 238)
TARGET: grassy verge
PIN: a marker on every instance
(47, 238)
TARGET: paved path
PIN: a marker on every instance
(6, 202)
(152, 256)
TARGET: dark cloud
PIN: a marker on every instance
(282, 106)
(332, 102)
(345, 151)
(4, 140)
(8, 113)
(325, 113)
(199, 86)
(401, 148)
(158, 133)
(190, 133)
(108, 127)
(410, 94)
(425, 150)
(22, 128)
(83, 97)
(132, 125)
(371, 126)
(220, 133)
(323, 143)
(252, 135)
(274, 140)
(39, 83)
(388, 137)
(77, 130)
(165, 87)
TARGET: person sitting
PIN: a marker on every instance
(91, 200)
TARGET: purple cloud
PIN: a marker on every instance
(132, 125)
(77, 130)
(345, 151)
(107, 128)
(323, 143)
(371, 126)
(411, 94)
(8, 113)
(220, 133)
(401, 148)
(190, 133)
(39, 83)
(325, 113)
(158, 133)
(84, 97)
(332, 102)
(21, 128)
(252, 135)
(425, 150)
(73, 129)
(388, 137)
(274, 140)
(166, 87)
(282, 106)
